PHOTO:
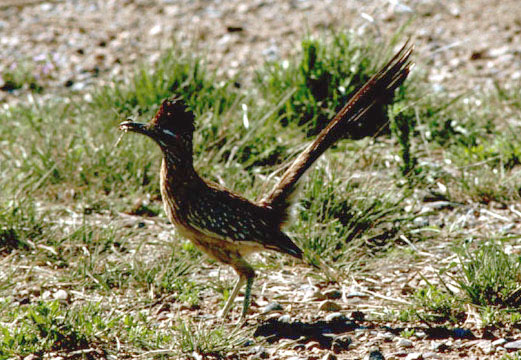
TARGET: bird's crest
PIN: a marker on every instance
(174, 115)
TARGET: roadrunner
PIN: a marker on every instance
(224, 225)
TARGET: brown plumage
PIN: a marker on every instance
(225, 225)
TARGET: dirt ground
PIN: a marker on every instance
(74, 46)
(463, 45)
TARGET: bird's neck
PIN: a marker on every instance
(178, 168)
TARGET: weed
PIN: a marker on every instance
(20, 75)
(489, 276)
(327, 74)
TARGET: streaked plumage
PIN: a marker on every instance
(225, 225)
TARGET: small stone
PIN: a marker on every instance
(499, 342)
(333, 294)
(431, 355)
(420, 334)
(285, 318)
(340, 343)
(317, 295)
(334, 317)
(359, 294)
(513, 345)
(274, 306)
(358, 316)
(387, 337)
(259, 352)
(61, 295)
(375, 354)
(440, 346)
(404, 343)
(329, 306)
(414, 356)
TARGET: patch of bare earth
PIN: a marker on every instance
(74, 46)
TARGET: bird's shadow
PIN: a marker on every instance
(326, 332)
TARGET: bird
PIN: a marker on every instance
(225, 225)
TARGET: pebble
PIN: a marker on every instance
(357, 294)
(386, 337)
(375, 354)
(414, 356)
(335, 316)
(333, 294)
(285, 318)
(440, 346)
(341, 343)
(61, 295)
(358, 316)
(404, 343)
(431, 355)
(317, 295)
(513, 345)
(329, 306)
(499, 342)
(259, 352)
(273, 306)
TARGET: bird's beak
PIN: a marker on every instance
(134, 127)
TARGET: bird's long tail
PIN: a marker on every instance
(379, 89)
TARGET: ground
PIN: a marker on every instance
(461, 47)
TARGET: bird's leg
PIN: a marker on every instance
(233, 295)
(247, 295)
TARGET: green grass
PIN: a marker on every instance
(484, 276)
(21, 75)
(80, 214)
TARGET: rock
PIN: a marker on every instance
(329, 306)
(404, 343)
(317, 295)
(420, 334)
(259, 352)
(386, 337)
(336, 316)
(440, 346)
(285, 318)
(340, 343)
(46, 295)
(333, 294)
(358, 316)
(513, 345)
(61, 295)
(499, 342)
(359, 294)
(273, 306)
(414, 356)
(431, 355)
(375, 354)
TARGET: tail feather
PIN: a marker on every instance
(379, 89)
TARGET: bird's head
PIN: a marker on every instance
(172, 126)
